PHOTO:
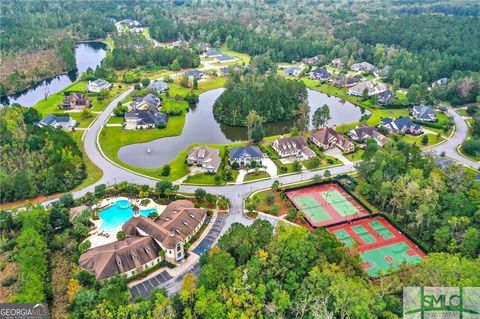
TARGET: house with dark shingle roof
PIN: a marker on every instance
(402, 125)
(293, 71)
(385, 97)
(327, 138)
(424, 113)
(75, 101)
(144, 119)
(212, 53)
(159, 86)
(56, 121)
(343, 81)
(149, 101)
(295, 146)
(319, 74)
(364, 132)
(225, 58)
(195, 74)
(245, 155)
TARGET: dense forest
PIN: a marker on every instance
(132, 50)
(439, 207)
(272, 97)
(35, 160)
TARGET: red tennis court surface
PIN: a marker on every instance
(380, 245)
(326, 204)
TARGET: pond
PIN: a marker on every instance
(87, 54)
(201, 127)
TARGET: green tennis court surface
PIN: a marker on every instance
(364, 234)
(339, 202)
(311, 207)
(383, 258)
(343, 236)
(379, 228)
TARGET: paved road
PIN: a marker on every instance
(450, 146)
(234, 193)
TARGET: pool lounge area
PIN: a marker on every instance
(119, 211)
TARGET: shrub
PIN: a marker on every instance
(144, 202)
(120, 235)
(165, 170)
(270, 198)
(153, 215)
(275, 209)
(283, 169)
(8, 281)
(472, 146)
(2, 266)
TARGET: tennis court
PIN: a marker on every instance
(326, 204)
(344, 237)
(339, 202)
(311, 207)
(384, 258)
(380, 245)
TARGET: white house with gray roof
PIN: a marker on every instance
(158, 86)
(423, 113)
(98, 85)
(55, 121)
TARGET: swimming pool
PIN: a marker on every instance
(118, 213)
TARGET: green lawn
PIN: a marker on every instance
(115, 120)
(94, 173)
(355, 156)
(83, 122)
(202, 179)
(244, 57)
(255, 176)
(432, 139)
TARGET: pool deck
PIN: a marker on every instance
(99, 240)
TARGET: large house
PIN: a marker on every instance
(403, 125)
(370, 87)
(385, 97)
(364, 132)
(343, 81)
(313, 60)
(212, 53)
(338, 63)
(328, 138)
(76, 101)
(144, 119)
(245, 155)
(382, 72)
(205, 157)
(56, 121)
(98, 85)
(158, 86)
(293, 71)
(149, 101)
(147, 241)
(223, 58)
(319, 74)
(293, 146)
(362, 66)
(423, 113)
(197, 74)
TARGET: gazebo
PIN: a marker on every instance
(136, 211)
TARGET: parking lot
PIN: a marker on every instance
(212, 235)
(144, 288)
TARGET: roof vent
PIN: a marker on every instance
(133, 255)
(147, 250)
(185, 223)
(118, 260)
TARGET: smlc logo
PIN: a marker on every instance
(441, 302)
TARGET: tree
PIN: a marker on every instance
(321, 116)
(120, 235)
(297, 166)
(270, 198)
(327, 173)
(145, 82)
(472, 109)
(275, 185)
(195, 83)
(200, 193)
(257, 133)
(425, 139)
(175, 66)
(252, 119)
(217, 270)
(165, 170)
(184, 80)
(74, 287)
(162, 186)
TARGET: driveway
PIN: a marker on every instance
(337, 153)
(270, 166)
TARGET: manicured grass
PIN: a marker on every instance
(211, 83)
(432, 139)
(83, 122)
(462, 112)
(355, 156)
(204, 178)
(255, 176)
(115, 120)
(242, 56)
(94, 173)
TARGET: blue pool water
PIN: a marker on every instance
(117, 214)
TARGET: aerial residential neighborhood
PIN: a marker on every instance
(239, 159)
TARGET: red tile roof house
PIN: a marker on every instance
(147, 242)
(328, 138)
(75, 101)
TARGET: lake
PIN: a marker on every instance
(201, 127)
(87, 54)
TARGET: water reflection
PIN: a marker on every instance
(201, 127)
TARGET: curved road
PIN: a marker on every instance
(236, 194)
